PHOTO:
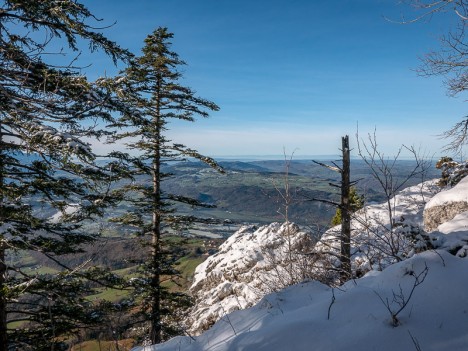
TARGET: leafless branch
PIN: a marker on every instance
(399, 297)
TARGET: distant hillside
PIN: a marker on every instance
(250, 191)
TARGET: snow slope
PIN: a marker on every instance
(297, 317)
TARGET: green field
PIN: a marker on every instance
(95, 345)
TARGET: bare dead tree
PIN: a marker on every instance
(345, 213)
(458, 136)
(287, 199)
(345, 207)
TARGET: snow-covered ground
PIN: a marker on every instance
(430, 288)
(303, 317)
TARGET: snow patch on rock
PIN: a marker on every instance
(446, 205)
(249, 264)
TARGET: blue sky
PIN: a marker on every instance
(295, 74)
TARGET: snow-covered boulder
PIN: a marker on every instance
(249, 264)
(446, 205)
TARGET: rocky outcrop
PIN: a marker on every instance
(249, 264)
(445, 205)
(437, 215)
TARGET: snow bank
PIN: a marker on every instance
(303, 317)
(252, 262)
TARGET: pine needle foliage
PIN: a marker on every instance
(356, 203)
(46, 168)
(151, 89)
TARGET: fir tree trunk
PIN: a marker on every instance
(153, 98)
(345, 214)
(3, 313)
(3, 268)
(156, 334)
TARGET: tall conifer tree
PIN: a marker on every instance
(45, 166)
(152, 85)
